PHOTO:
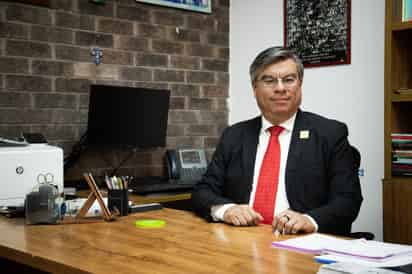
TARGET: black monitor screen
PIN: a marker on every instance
(126, 116)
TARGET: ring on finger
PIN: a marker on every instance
(287, 217)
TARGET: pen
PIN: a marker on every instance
(277, 232)
(108, 183)
(126, 181)
(120, 182)
(114, 182)
(324, 261)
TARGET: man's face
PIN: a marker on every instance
(278, 91)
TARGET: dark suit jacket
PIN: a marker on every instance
(321, 180)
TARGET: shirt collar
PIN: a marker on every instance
(287, 125)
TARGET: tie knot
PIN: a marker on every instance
(275, 130)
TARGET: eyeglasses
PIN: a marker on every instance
(288, 81)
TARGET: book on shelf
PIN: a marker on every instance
(401, 141)
(403, 145)
(401, 173)
(401, 168)
(406, 10)
(401, 135)
(402, 91)
(406, 163)
(401, 160)
(402, 153)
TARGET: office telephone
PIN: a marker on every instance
(186, 165)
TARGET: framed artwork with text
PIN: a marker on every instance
(319, 31)
(194, 5)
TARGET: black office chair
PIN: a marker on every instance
(359, 235)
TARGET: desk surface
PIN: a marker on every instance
(187, 244)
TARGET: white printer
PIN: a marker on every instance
(23, 167)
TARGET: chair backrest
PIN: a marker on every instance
(357, 156)
(359, 235)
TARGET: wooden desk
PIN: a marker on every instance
(187, 244)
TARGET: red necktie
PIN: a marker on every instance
(267, 186)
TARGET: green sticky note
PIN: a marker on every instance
(150, 223)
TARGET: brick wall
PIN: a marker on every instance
(46, 69)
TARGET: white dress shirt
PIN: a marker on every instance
(281, 202)
(284, 138)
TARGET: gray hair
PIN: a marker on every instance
(271, 56)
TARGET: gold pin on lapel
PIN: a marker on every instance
(304, 134)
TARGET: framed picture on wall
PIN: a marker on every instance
(319, 31)
(194, 5)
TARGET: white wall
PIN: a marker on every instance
(349, 93)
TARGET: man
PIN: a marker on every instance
(310, 165)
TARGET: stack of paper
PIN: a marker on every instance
(350, 268)
(401, 261)
(313, 243)
(360, 250)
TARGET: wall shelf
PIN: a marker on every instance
(397, 190)
(399, 26)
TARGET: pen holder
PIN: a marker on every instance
(118, 198)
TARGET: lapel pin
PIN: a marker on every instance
(304, 134)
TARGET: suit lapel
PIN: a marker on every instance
(295, 146)
(249, 144)
(301, 131)
(294, 155)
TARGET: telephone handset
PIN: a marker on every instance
(186, 165)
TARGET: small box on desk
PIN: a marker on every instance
(118, 199)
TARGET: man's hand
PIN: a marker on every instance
(242, 215)
(292, 222)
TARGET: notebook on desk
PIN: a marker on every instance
(146, 185)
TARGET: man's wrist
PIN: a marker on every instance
(312, 221)
(218, 211)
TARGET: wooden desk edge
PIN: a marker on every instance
(35, 262)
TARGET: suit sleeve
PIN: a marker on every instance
(344, 197)
(209, 190)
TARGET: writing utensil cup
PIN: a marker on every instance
(118, 199)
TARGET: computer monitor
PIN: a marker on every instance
(127, 117)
